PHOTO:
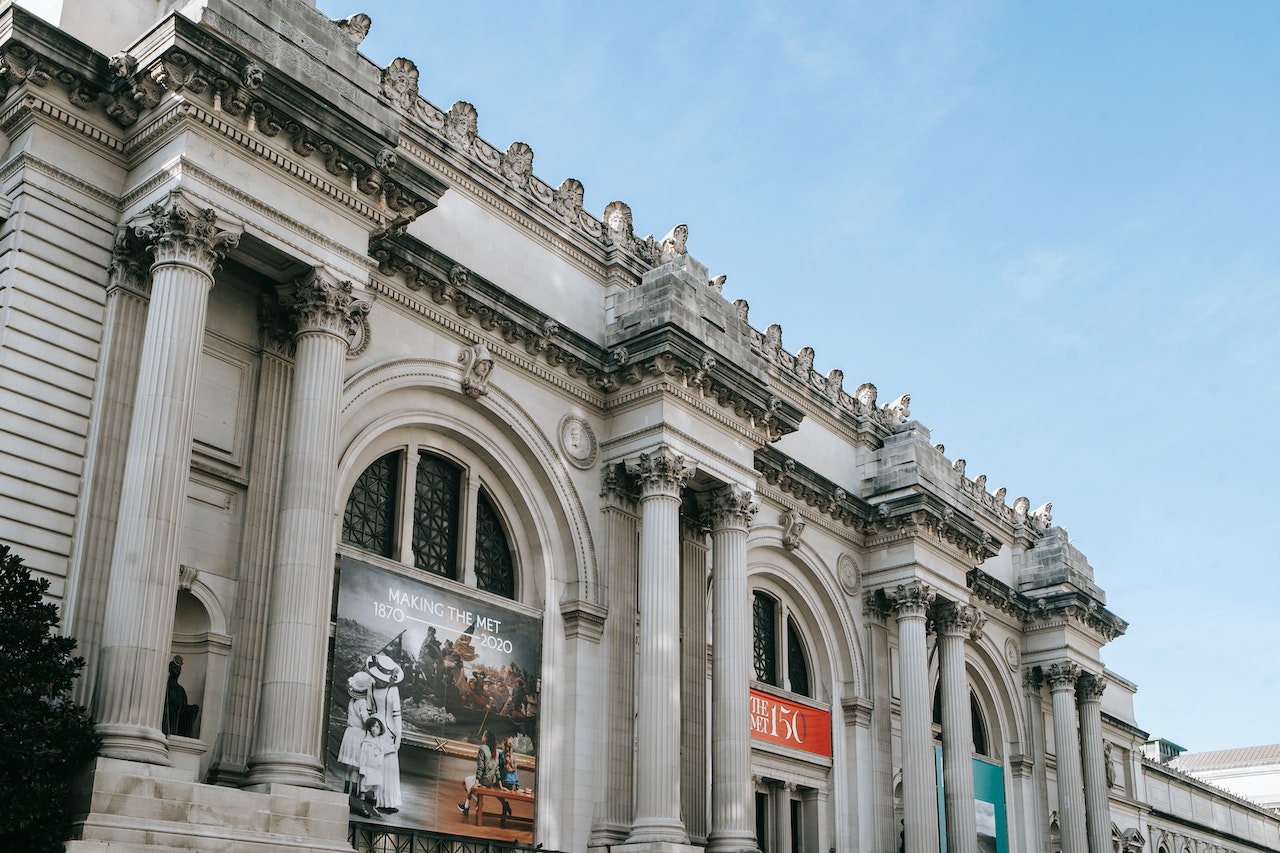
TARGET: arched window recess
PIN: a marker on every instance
(427, 510)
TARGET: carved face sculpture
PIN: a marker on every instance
(866, 395)
(573, 437)
(617, 218)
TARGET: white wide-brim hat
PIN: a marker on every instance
(384, 669)
(359, 683)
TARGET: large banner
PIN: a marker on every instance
(420, 676)
(988, 805)
(787, 723)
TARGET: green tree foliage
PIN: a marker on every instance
(45, 737)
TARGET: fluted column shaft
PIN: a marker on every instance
(124, 326)
(1097, 807)
(662, 474)
(956, 626)
(138, 628)
(732, 800)
(290, 717)
(782, 817)
(1062, 687)
(910, 603)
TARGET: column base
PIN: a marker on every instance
(134, 743)
(656, 846)
(284, 768)
(656, 831)
(126, 806)
(732, 842)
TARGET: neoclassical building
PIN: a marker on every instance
(317, 407)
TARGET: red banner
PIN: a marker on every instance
(790, 724)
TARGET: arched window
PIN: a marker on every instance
(772, 646)
(438, 510)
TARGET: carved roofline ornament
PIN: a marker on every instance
(1070, 606)
(490, 309)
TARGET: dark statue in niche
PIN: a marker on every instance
(179, 718)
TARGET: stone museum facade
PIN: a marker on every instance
(344, 439)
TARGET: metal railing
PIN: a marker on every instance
(377, 838)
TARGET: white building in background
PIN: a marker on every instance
(1252, 772)
(301, 377)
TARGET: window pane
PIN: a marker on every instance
(797, 666)
(495, 571)
(764, 618)
(369, 519)
(436, 500)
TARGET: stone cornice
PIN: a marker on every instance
(924, 515)
(665, 355)
(1060, 608)
(181, 58)
(808, 486)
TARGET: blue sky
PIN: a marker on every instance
(1056, 225)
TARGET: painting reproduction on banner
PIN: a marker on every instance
(422, 677)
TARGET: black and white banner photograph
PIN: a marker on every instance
(434, 715)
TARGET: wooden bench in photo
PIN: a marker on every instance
(503, 794)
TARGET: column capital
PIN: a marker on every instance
(1090, 687)
(960, 620)
(1061, 676)
(180, 236)
(909, 599)
(130, 265)
(731, 507)
(661, 472)
(320, 302)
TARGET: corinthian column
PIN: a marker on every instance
(732, 800)
(137, 633)
(662, 474)
(290, 716)
(910, 603)
(1097, 808)
(1062, 686)
(957, 624)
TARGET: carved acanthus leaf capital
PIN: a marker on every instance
(961, 620)
(662, 472)
(130, 266)
(1062, 675)
(177, 235)
(318, 302)
(732, 507)
(1090, 687)
(910, 599)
